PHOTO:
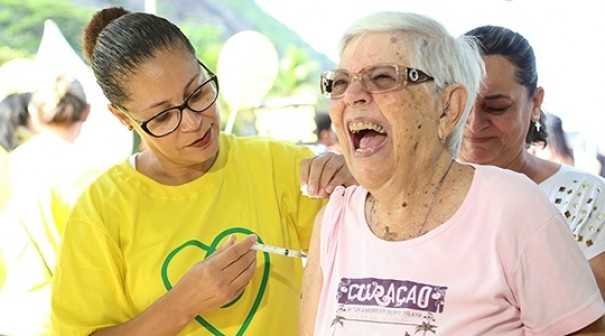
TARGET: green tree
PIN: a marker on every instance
(208, 42)
(297, 73)
(22, 25)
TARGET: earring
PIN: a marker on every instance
(130, 127)
(537, 124)
(440, 136)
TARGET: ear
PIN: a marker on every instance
(85, 113)
(323, 134)
(454, 99)
(120, 115)
(537, 100)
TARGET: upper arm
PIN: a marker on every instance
(595, 329)
(312, 282)
(598, 268)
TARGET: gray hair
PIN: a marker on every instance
(449, 60)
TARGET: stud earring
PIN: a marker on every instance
(440, 136)
(538, 125)
(130, 127)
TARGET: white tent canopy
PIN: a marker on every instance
(104, 141)
(102, 135)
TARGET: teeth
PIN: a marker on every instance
(365, 125)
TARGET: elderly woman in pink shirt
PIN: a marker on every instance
(424, 243)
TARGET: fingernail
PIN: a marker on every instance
(304, 190)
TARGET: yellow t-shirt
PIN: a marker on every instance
(5, 187)
(47, 174)
(130, 239)
(5, 193)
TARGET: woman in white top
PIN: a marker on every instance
(507, 119)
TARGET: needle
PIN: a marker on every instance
(278, 250)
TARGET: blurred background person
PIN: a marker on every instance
(601, 158)
(5, 195)
(48, 175)
(506, 119)
(5, 186)
(16, 126)
(326, 137)
(556, 148)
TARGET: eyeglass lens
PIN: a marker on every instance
(198, 101)
(378, 78)
(374, 79)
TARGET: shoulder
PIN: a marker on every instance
(264, 148)
(496, 177)
(509, 192)
(342, 192)
(570, 179)
(345, 205)
(115, 175)
(573, 173)
(342, 196)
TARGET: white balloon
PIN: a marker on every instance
(247, 68)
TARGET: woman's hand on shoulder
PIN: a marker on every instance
(321, 174)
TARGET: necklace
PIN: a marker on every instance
(428, 213)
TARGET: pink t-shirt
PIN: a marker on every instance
(504, 264)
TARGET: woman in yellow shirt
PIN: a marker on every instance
(142, 250)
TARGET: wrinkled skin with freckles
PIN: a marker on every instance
(163, 82)
(408, 117)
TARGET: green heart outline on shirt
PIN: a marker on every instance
(209, 251)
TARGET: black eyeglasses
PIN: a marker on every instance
(199, 100)
(377, 78)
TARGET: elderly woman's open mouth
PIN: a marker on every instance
(366, 136)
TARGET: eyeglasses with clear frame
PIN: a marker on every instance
(167, 121)
(377, 78)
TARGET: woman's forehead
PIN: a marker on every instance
(373, 48)
(165, 77)
(499, 72)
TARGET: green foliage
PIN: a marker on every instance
(7, 54)
(297, 73)
(207, 41)
(22, 24)
(249, 13)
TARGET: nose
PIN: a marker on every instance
(190, 120)
(476, 121)
(356, 92)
